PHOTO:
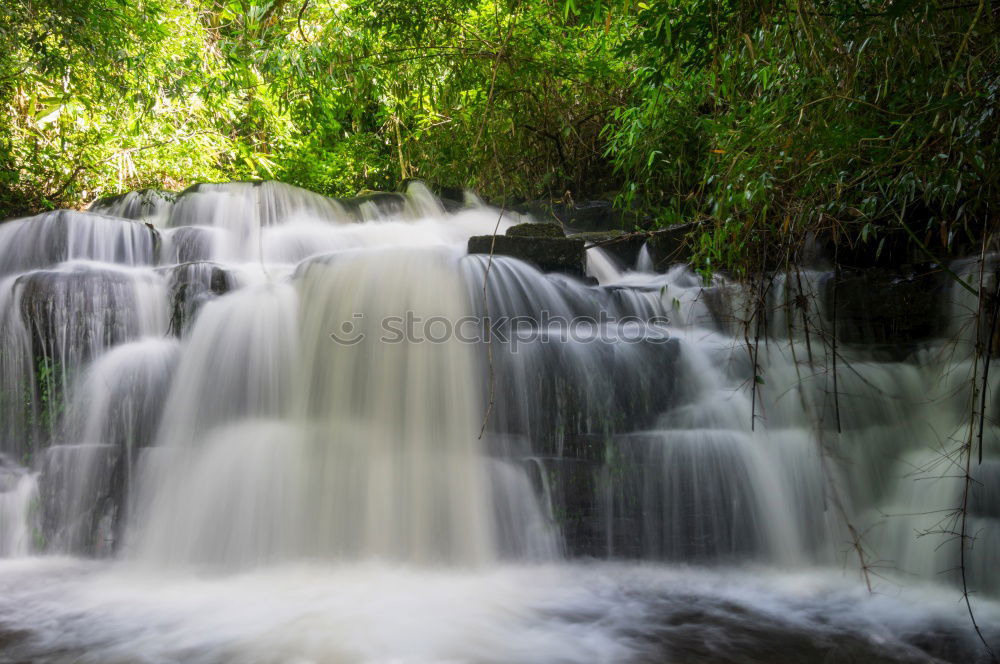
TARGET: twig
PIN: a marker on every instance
(298, 20)
(963, 535)
(486, 317)
(994, 306)
(930, 255)
(493, 81)
(833, 341)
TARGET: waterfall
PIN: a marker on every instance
(256, 380)
(18, 510)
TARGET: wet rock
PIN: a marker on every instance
(670, 246)
(682, 495)
(141, 204)
(623, 247)
(566, 402)
(81, 488)
(61, 235)
(549, 254)
(892, 310)
(74, 313)
(742, 633)
(190, 244)
(191, 286)
(984, 492)
(452, 198)
(372, 205)
(536, 230)
(10, 474)
(574, 491)
(582, 216)
(259, 203)
(719, 300)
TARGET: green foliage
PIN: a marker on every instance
(776, 120)
(109, 96)
(769, 120)
(47, 405)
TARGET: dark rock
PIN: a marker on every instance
(190, 244)
(60, 235)
(550, 254)
(670, 246)
(984, 491)
(574, 490)
(191, 286)
(536, 230)
(584, 446)
(718, 302)
(452, 198)
(563, 406)
(582, 216)
(81, 488)
(383, 203)
(886, 308)
(889, 249)
(135, 204)
(72, 314)
(692, 627)
(567, 402)
(674, 496)
(622, 246)
(266, 202)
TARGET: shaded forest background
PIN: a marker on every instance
(767, 121)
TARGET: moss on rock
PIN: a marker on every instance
(536, 230)
(549, 254)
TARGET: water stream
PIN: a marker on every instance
(253, 424)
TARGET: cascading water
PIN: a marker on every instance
(316, 430)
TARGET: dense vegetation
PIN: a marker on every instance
(767, 120)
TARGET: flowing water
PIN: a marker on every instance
(248, 423)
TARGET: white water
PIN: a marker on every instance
(18, 510)
(374, 614)
(275, 494)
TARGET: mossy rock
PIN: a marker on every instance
(623, 247)
(669, 247)
(581, 216)
(549, 254)
(388, 203)
(536, 230)
(135, 205)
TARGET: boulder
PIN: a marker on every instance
(894, 310)
(669, 246)
(582, 216)
(622, 246)
(368, 205)
(452, 198)
(64, 235)
(575, 493)
(536, 230)
(190, 244)
(75, 313)
(141, 204)
(191, 285)
(549, 254)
